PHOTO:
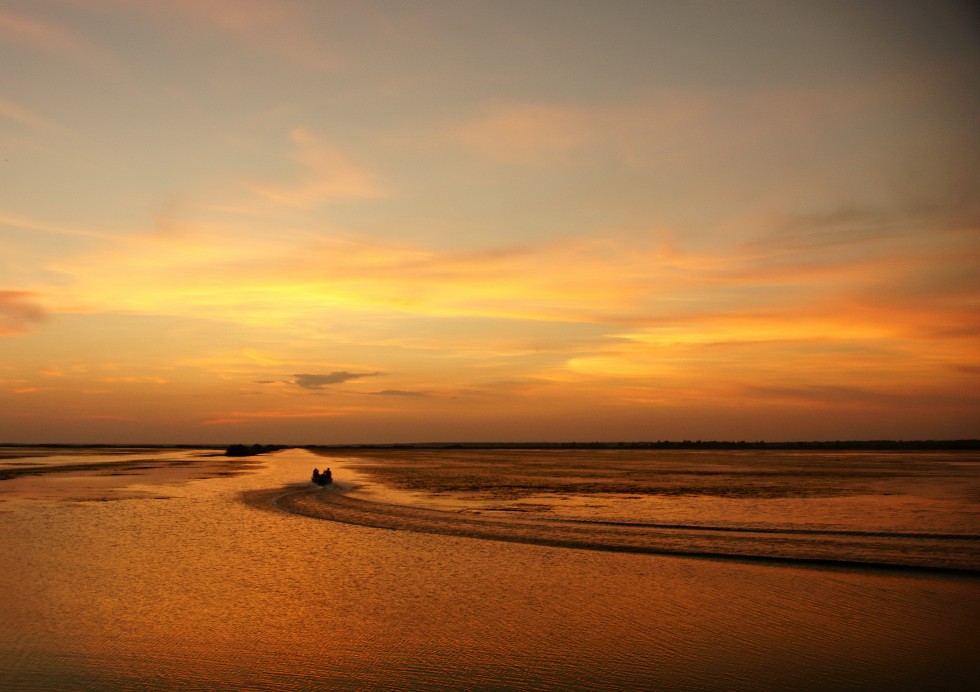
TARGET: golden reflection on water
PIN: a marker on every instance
(201, 591)
(871, 491)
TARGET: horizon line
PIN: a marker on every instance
(866, 443)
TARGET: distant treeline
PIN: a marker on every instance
(251, 450)
(240, 450)
(684, 444)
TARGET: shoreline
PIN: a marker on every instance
(842, 445)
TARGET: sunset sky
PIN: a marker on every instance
(325, 222)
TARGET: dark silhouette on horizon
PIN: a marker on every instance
(839, 445)
(240, 450)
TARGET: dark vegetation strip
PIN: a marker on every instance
(844, 445)
(855, 445)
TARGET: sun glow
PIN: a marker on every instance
(337, 244)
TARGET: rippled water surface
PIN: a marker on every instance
(877, 508)
(160, 575)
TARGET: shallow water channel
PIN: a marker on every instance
(165, 578)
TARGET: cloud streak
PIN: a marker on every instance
(775, 321)
(18, 312)
(302, 200)
(668, 125)
(328, 176)
(273, 27)
(44, 35)
(15, 221)
(274, 415)
(311, 381)
(885, 287)
(19, 114)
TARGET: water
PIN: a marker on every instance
(895, 509)
(26, 458)
(165, 578)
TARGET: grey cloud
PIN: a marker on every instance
(966, 368)
(856, 396)
(849, 226)
(312, 381)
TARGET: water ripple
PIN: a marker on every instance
(950, 552)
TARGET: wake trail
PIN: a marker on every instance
(952, 553)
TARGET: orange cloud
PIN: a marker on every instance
(18, 312)
(817, 394)
(42, 35)
(140, 379)
(277, 27)
(662, 121)
(15, 221)
(668, 126)
(241, 417)
(328, 176)
(637, 279)
(21, 115)
(271, 25)
(523, 132)
(620, 316)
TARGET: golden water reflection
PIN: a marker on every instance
(202, 591)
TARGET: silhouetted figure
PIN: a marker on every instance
(316, 477)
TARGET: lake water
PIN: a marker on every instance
(490, 570)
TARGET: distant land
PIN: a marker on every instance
(682, 444)
(854, 445)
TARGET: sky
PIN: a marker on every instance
(317, 222)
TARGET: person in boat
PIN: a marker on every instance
(326, 477)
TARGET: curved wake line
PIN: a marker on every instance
(839, 549)
(776, 530)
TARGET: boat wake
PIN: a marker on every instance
(942, 552)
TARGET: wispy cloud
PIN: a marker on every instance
(245, 417)
(672, 126)
(639, 278)
(16, 221)
(791, 310)
(310, 381)
(43, 35)
(327, 176)
(524, 132)
(19, 114)
(19, 312)
(656, 127)
(862, 397)
(273, 26)
(278, 28)
(135, 379)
